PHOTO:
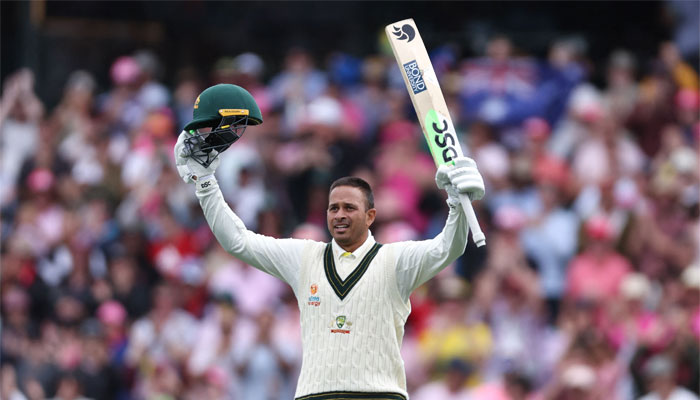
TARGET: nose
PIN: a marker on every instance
(340, 214)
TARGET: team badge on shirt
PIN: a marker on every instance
(313, 299)
(342, 324)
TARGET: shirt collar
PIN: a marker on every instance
(339, 252)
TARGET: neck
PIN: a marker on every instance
(665, 390)
(354, 246)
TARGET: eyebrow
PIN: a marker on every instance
(337, 204)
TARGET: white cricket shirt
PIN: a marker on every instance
(353, 305)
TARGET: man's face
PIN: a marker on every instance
(348, 217)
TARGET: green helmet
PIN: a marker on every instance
(227, 110)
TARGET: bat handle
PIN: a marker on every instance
(477, 234)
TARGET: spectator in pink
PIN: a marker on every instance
(597, 273)
(691, 301)
(112, 315)
(632, 320)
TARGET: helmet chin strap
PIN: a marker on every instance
(205, 147)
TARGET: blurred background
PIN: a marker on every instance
(583, 119)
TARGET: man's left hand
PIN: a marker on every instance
(463, 176)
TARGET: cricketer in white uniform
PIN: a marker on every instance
(353, 293)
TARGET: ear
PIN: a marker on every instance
(371, 215)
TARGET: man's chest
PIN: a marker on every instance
(338, 301)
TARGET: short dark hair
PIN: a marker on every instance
(359, 183)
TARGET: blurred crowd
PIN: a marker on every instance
(113, 286)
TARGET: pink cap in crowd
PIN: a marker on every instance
(125, 70)
(40, 180)
(111, 313)
(510, 218)
(536, 128)
(599, 228)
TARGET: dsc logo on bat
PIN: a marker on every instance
(442, 137)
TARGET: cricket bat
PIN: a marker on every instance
(429, 103)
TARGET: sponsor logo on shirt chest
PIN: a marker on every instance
(313, 299)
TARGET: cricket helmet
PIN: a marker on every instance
(227, 110)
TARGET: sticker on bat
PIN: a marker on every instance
(442, 138)
(429, 75)
(414, 76)
(404, 33)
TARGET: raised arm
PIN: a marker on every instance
(278, 257)
(418, 261)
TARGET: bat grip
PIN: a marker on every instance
(477, 234)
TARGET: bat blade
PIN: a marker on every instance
(424, 90)
(428, 101)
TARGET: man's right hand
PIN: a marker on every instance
(190, 170)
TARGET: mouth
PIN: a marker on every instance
(341, 228)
